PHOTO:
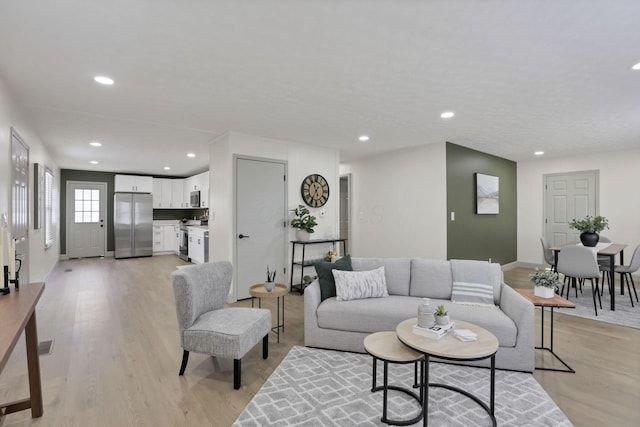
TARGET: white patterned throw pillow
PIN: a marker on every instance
(360, 284)
(472, 294)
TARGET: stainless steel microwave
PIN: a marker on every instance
(195, 199)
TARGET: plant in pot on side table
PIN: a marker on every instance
(303, 222)
(546, 283)
(589, 227)
(270, 283)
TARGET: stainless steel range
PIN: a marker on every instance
(184, 243)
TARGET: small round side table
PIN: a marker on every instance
(279, 291)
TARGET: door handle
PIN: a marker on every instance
(243, 236)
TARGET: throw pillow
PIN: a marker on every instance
(360, 284)
(472, 294)
(325, 277)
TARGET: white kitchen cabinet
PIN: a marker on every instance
(158, 241)
(200, 183)
(197, 245)
(177, 194)
(133, 183)
(169, 239)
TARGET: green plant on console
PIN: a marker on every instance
(546, 278)
(590, 224)
(440, 310)
(303, 220)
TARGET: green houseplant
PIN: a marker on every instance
(270, 283)
(546, 283)
(441, 315)
(589, 227)
(303, 222)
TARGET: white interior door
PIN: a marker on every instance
(261, 227)
(86, 214)
(568, 196)
(20, 202)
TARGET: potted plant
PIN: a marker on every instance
(589, 227)
(441, 315)
(270, 283)
(546, 283)
(303, 222)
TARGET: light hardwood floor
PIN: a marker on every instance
(116, 356)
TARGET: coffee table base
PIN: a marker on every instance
(385, 387)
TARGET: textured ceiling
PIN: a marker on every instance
(520, 75)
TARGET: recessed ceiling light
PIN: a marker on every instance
(636, 67)
(167, 168)
(363, 138)
(539, 153)
(103, 80)
(447, 114)
(95, 144)
(190, 155)
(94, 162)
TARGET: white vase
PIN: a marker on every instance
(302, 235)
(543, 292)
(269, 286)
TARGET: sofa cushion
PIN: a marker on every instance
(430, 278)
(471, 271)
(360, 284)
(384, 314)
(324, 269)
(472, 293)
(397, 272)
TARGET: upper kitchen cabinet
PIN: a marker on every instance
(163, 193)
(134, 184)
(177, 194)
(199, 183)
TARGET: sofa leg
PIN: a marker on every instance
(265, 346)
(237, 373)
(185, 359)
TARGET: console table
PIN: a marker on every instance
(17, 314)
(303, 262)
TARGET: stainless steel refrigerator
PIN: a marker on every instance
(133, 224)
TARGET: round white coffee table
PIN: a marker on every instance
(450, 348)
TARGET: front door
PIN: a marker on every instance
(86, 213)
(20, 202)
(261, 227)
(568, 196)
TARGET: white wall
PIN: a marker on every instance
(301, 159)
(41, 261)
(399, 203)
(619, 198)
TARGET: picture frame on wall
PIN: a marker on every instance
(487, 194)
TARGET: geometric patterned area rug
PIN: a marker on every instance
(624, 314)
(314, 387)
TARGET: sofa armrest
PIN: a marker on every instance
(311, 303)
(521, 311)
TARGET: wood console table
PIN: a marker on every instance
(17, 314)
(302, 263)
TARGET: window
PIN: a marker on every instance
(87, 205)
(49, 234)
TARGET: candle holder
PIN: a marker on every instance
(5, 290)
(16, 282)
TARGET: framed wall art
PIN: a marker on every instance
(487, 194)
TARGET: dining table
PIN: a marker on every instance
(611, 250)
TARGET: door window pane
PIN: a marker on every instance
(87, 206)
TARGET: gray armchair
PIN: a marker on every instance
(548, 254)
(626, 272)
(209, 328)
(580, 262)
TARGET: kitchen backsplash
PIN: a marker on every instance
(162, 214)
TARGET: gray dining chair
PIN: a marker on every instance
(548, 253)
(626, 272)
(206, 326)
(579, 262)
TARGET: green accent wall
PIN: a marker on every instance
(473, 236)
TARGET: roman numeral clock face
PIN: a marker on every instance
(315, 190)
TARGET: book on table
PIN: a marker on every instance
(435, 331)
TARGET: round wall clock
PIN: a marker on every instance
(315, 190)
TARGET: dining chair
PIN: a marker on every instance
(206, 326)
(579, 262)
(548, 253)
(626, 272)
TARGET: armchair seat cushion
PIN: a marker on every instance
(228, 332)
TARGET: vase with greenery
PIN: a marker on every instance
(270, 283)
(546, 283)
(441, 315)
(303, 222)
(589, 227)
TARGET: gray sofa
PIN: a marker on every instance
(343, 325)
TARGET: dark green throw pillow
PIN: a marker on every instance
(325, 276)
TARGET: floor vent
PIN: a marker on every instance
(67, 270)
(45, 347)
